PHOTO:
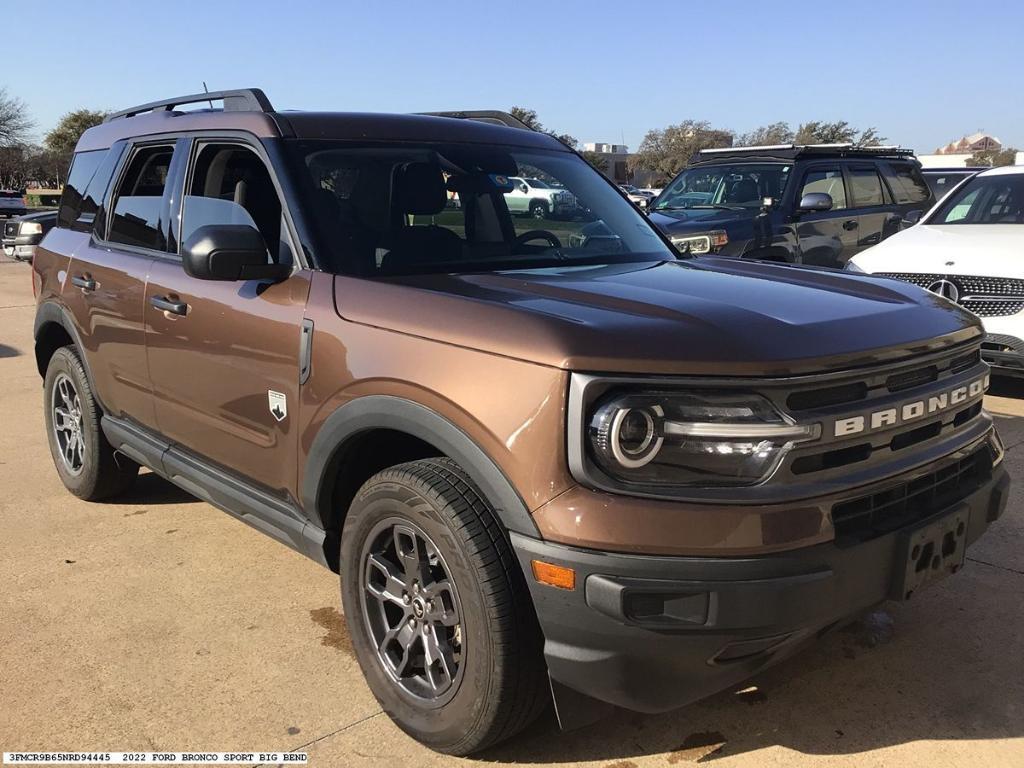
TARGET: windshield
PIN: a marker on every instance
(729, 187)
(433, 208)
(537, 184)
(997, 199)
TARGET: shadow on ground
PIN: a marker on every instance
(6, 351)
(150, 489)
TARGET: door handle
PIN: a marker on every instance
(851, 224)
(85, 283)
(165, 304)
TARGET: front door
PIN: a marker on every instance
(825, 238)
(224, 356)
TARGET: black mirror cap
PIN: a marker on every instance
(229, 252)
(816, 201)
(912, 217)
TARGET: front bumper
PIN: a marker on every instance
(1005, 353)
(655, 633)
(21, 248)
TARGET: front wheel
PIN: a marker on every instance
(539, 209)
(439, 614)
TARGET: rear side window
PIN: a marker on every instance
(139, 200)
(866, 186)
(80, 195)
(829, 181)
(907, 183)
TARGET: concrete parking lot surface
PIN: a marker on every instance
(157, 622)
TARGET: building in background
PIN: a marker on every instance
(968, 145)
(610, 160)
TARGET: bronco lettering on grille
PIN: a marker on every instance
(909, 411)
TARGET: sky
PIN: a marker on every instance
(923, 73)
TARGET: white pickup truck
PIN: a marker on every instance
(538, 198)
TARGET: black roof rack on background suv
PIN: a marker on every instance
(238, 100)
(493, 116)
(793, 151)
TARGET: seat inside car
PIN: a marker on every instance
(419, 190)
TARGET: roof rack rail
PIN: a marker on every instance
(239, 100)
(492, 116)
(812, 148)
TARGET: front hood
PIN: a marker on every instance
(705, 316)
(992, 250)
(689, 220)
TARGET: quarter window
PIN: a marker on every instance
(907, 183)
(829, 181)
(139, 202)
(866, 187)
(80, 195)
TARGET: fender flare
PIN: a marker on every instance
(387, 412)
(51, 312)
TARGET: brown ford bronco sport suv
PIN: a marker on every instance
(549, 459)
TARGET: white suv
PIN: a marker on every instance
(968, 249)
(538, 198)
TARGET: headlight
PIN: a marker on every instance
(704, 242)
(686, 439)
(30, 228)
(851, 267)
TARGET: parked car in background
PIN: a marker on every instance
(12, 203)
(969, 249)
(815, 204)
(539, 198)
(639, 196)
(22, 235)
(941, 180)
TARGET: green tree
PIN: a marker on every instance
(14, 120)
(529, 117)
(665, 152)
(596, 159)
(839, 132)
(765, 135)
(63, 138)
(994, 158)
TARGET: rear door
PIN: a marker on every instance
(106, 277)
(225, 361)
(825, 237)
(872, 206)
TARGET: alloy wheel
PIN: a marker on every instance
(412, 611)
(67, 424)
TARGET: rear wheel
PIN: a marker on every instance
(84, 459)
(439, 614)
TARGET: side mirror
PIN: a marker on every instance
(912, 218)
(229, 252)
(815, 201)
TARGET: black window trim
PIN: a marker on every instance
(199, 139)
(132, 146)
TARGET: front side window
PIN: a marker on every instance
(731, 187)
(139, 204)
(230, 184)
(866, 186)
(997, 199)
(428, 208)
(828, 181)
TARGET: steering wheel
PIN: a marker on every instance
(538, 234)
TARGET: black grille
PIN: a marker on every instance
(888, 510)
(984, 296)
(990, 308)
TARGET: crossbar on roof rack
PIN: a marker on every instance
(492, 116)
(238, 100)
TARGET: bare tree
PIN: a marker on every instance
(14, 120)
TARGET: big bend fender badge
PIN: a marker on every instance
(278, 404)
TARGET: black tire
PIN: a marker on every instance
(501, 683)
(101, 474)
(539, 209)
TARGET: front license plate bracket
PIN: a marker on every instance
(930, 552)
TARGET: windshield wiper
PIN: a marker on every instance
(720, 207)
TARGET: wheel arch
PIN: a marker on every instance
(53, 329)
(410, 431)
